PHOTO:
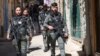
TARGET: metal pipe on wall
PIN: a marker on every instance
(5, 14)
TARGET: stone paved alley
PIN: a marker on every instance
(72, 48)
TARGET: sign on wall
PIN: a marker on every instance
(48, 2)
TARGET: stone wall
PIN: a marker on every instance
(68, 18)
(83, 18)
(1, 18)
(1, 12)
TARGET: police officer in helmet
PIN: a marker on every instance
(42, 15)
(29, 26)
(56, 26)
(18, 31)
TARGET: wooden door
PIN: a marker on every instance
(98, 25)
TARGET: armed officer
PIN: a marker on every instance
(30, 24)
(19, 27)
(42, 15)
(56, 27)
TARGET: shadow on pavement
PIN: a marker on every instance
(33, 49)
(66, 55)
(81, 53)
(6, 49)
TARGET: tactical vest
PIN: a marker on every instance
(19, 26)
(57, 22)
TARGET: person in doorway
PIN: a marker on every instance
(34, 12)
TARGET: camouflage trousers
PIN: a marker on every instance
(45, 39)
(60, 40)
(21, 46)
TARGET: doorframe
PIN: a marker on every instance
(72, 28)
(92, 16)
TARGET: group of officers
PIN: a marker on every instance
(52, 25)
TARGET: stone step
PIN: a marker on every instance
(4, 40)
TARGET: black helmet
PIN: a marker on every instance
(54, 4)
(45, 6)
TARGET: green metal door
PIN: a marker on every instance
(75, 19)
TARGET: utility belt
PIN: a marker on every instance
(19, 36)
(56, 31)
(23, 38)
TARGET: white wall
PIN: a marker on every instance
(68, 19)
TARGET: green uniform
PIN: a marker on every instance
(20, 30)
(57, 33)
(42, 15)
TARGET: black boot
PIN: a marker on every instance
(46, 49)
(52, 54)
(18, 54)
